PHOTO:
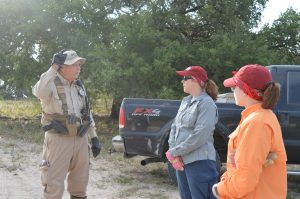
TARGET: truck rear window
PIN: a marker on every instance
(293, 83)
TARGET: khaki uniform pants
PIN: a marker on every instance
(65, 155)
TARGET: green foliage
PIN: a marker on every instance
(283, 37)
(133, 48)
(101, 106)
(17, 19)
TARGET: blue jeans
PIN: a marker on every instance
(197, 179)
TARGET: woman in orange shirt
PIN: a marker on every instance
(257, 135)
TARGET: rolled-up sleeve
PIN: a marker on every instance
(44, 87)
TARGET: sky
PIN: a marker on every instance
(275, 7)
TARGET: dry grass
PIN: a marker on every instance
(31, 108)
(19, 109)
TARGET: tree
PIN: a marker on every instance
(283, 37)
(31, 31)
(134, 47)
(155, 38)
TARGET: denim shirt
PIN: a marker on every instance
(191, 135)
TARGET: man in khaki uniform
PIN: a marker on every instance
(67, 123)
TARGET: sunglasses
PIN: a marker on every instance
(185, 78)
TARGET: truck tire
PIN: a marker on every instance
(172, 173)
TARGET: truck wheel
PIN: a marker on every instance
(172, 173)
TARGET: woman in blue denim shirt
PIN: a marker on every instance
(191, 143)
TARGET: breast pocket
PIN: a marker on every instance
(190, 117)
(55, 104)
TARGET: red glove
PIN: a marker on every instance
(176, 162)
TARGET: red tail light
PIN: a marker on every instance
(121, 118)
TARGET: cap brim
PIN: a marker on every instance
(72, 61)
(182, 73)
(229, 82)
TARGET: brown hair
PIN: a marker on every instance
(271, 95)
(212, 89)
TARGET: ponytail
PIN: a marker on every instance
(211, 89)
(271, 95)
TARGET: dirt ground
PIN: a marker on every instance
(111, 176)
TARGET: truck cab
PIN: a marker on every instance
(288, 108)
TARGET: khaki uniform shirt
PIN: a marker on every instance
(45, 90)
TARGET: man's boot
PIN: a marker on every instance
(75, 197)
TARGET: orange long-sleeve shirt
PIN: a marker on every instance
(257, 134)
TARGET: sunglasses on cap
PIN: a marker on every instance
(185, 78)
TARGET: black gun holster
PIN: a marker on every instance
(57, 125)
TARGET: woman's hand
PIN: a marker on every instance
(176, 162)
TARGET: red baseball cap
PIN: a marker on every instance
(250, 78)
(196, 72)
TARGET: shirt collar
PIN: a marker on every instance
(199, 97)
(245, 113)
(63, 80)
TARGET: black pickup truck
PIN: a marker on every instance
(144, 124)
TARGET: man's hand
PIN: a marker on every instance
(59, 58)
(96, 146)
(176, 162)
